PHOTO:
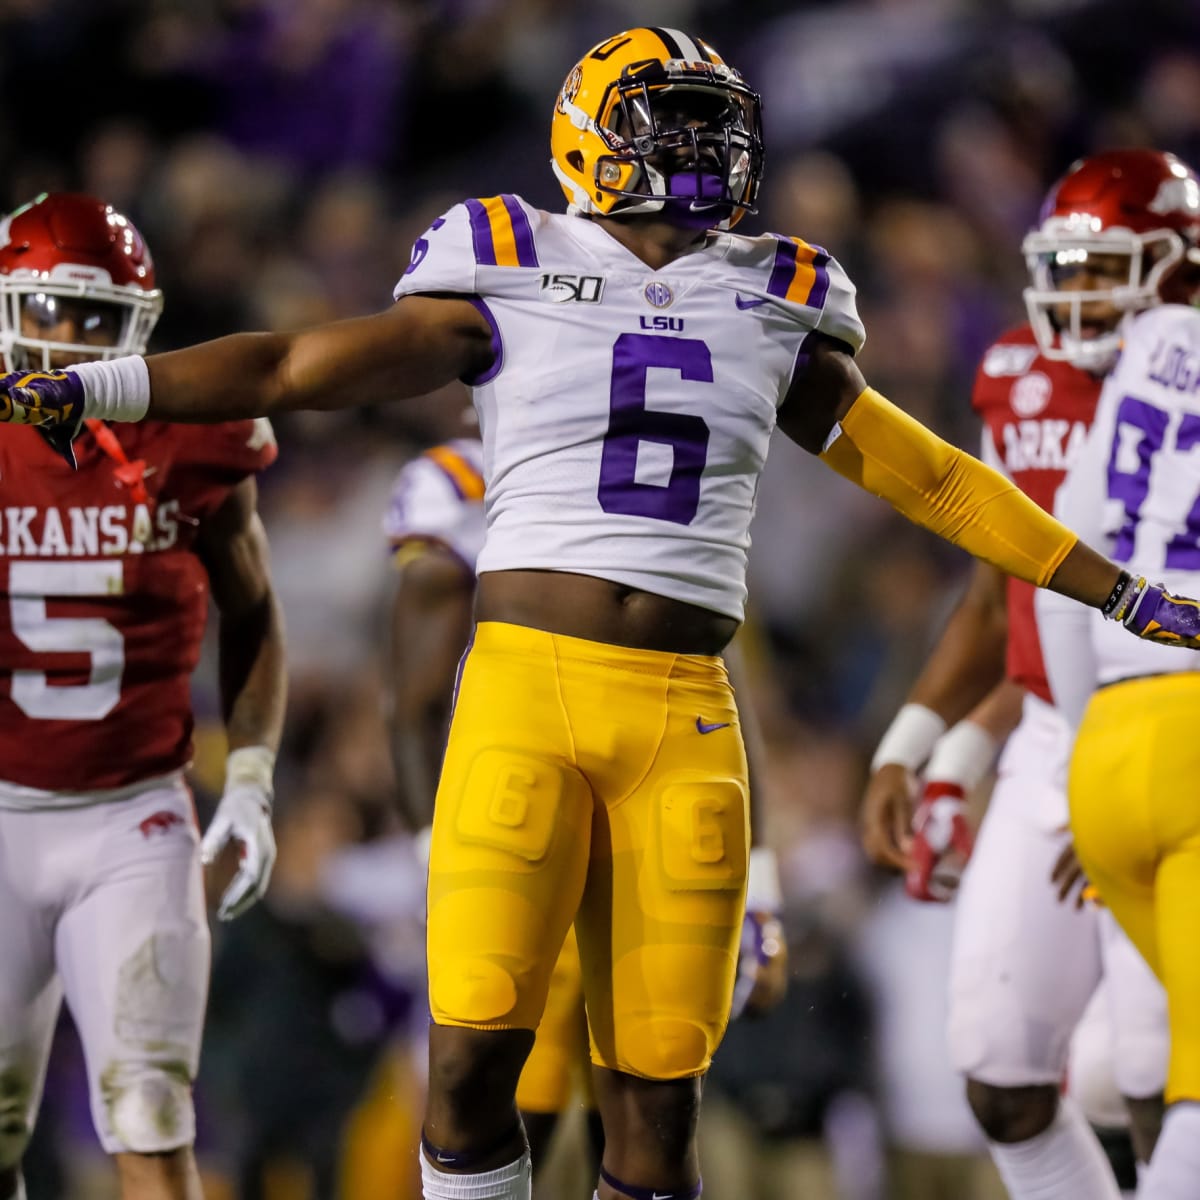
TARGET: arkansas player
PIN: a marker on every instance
(1112, 239)
(105, 575)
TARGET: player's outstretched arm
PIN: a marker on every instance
(414, 347)
(253, 681)
(831, 412)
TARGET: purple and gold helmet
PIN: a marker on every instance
(654, 121)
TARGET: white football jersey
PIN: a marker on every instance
(1134, 492)
(626, 417)
(438, 497)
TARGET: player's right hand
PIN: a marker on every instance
(886, 819)
(941, 844)
(50, 400)
(1156, 615)
(243, 816)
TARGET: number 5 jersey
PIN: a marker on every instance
(626, 416)
(103, 601)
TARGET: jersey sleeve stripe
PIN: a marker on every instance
(500, 232)
(800, 274)
(481, 234)
(522, 232)
(464, 478)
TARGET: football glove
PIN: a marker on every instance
(50, 400)
(1151, 612)
(244, 816)
(941, 844)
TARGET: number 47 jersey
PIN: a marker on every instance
(626, 415)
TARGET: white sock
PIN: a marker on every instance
(1174, 1170)
(1063, 1162)
(505, 1183)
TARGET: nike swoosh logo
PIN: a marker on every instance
(753, 302)
(702, 728)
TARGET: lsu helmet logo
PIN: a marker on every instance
(570, 88)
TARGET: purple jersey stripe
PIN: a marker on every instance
(784, 270)
(481, 235)
(497, 345)
(522, 232)
(820, 287)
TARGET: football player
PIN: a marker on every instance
(1113, 238)
(629, 360)
(105, 579)
(1134, 817)
(436, 528)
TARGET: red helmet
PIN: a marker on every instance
(71, 253)
(1140, 204)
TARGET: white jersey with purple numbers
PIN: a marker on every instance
(438, 497)
(1135, 489)
(626, 417)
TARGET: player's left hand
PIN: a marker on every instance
(942, 842)
(50, 400)
(1153, 613)
(762, 972)
(244, 816)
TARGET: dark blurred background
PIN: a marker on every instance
(281, 156)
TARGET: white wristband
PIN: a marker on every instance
(763, 892)
(963, 756)
(910, 738)
(116, 390)
(254, 765)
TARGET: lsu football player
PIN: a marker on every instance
(1114, 237)
(629, 360)
(105, 582)
(436, 527)
(1134, 813)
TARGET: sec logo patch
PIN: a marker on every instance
(1030, 394)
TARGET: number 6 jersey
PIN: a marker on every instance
(104, 600)
(626, 417)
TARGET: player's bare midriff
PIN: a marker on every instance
(587, 607)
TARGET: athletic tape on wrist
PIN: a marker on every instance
(116, 390)
(964, 756)
(910, 738)
(254, 765)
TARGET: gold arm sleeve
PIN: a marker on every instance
(934, 484)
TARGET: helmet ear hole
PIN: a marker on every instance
(575, 160)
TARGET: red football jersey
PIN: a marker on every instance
(1036, 413)
(104, 599)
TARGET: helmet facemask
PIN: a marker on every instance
(683, 142)
(110, 321)
(1059, 314)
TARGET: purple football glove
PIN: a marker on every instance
(1151, 612)
(50, 400)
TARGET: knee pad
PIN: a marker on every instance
(147, 1108)
(663, 1047)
